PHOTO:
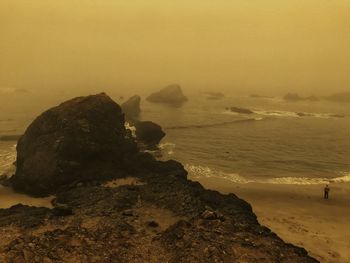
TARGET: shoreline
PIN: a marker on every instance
(299, 214)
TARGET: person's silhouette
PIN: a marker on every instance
(326, 191)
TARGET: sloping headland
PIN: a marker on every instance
(114, 203)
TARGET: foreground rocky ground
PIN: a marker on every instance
(149, 218)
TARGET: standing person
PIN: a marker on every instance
(326, 191)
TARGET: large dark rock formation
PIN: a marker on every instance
(148, 132)
(131, 108)
(74, 141)
(171, 94)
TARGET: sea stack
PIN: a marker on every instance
(149, 133)
(131, 108)
(171, 94)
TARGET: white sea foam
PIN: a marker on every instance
(167, 147)
(197, 172)
(128, 126)
(290, 114)
(277, 113)
(7, 158)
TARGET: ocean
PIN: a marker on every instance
(280, 143)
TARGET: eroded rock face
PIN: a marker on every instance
(171, 94)
(131, 108)
(78, 140)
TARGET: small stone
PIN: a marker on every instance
(209, 215)
(153, 224)
(128, 212)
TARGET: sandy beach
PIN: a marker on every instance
(299, 214)
(9, 198)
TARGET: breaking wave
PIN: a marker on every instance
(299, 114)
(197, 172)
(167, 147)
(291, 114)
(7, 158)
(193, 126)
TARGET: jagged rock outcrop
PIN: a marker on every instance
(149, 132)
(72, 142)
(171, 94)
(131, 108)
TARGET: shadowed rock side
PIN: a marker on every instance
(149, 132)
(131, 108)
(171, 94)
(152, 213)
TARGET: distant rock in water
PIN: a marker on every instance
(337, 115)
(171, 94)
(340, 97)
(131, 108)
(293, 97)
(149, 132)
(241, 110)
(215, 95)
(76, 141)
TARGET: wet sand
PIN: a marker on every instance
(300, 215)
(9, 198)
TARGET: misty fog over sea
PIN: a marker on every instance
(281, 142)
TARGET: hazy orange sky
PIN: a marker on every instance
(266, 46)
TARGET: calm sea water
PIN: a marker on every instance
(273, 145)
